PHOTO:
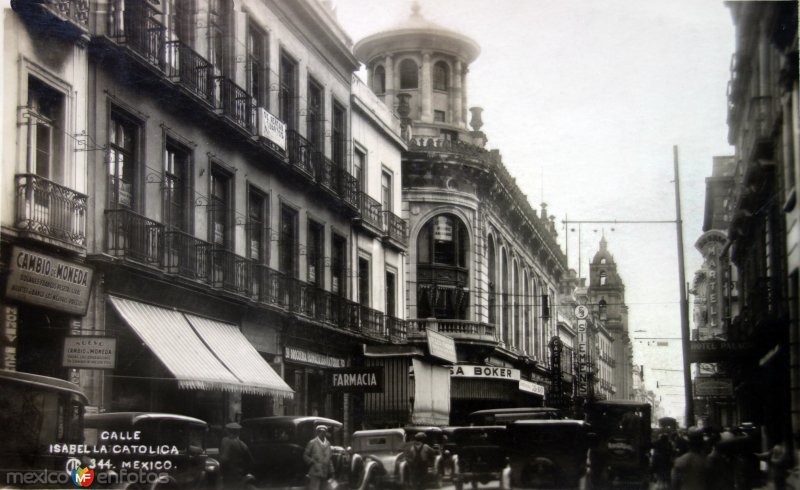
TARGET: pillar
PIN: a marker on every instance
(388, 66)
(464, 97)
(457, 116)
(426, 88)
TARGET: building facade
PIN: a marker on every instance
(482, 267)
(225, 195)
(763, 240)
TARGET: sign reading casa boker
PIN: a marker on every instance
(90, 352)
(356, 379)
(39, 279)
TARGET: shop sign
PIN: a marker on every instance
(531, 387)
(490, 372)
(314, 358)
(356, 380)
(443, 229)
(713, 386)
(583, 359)
(441, 346)
(8, 337)
(39, 279)
(717, 350)
(90, 352)
(271, 128)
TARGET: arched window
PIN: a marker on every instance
(603, 310)
(442, 272)
(526, 314)
(409, 74)
(492, 302)
(440, 75)
(379, 80)
(506, 307)
(603, 278)
(516, 338)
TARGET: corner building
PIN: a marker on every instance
(235, 197)
(482, 267)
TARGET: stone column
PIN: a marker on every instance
(456, 96)
(388, 66)
(464, 96)
(426, 88)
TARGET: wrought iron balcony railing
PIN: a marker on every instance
(229, 271)
(192, 71)
(131, 235)
(300, 151)
(325, 172)
(50, 210)
(186, 255)
(371, 211)
(396, 328)
(236, 103)
(371, 322)
(269, 286)
(348, 188)
(395, 227)
(135, 24)
(67, 18)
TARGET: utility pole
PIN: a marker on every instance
(687, 372)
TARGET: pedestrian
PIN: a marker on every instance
(318, 456)
(662, 461)
(689, 470)
(235, 458)
(419, 455)
(721, 463)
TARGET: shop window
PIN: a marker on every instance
(315, 253)
(409, 74)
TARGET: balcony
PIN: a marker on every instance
(395, 229)
(396, 328)
(229, 271)
(458, 329)
(269, 287)
(186, 255)
(371, 214)
(300, 152)
(325, 172)
(371, 322)
(190, 70)
(68, 18)
(757, 141)
(236, 104)
(443, 275)
(132, 236)
(349, 189)
(47, 210)
(134, 24)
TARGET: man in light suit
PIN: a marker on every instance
(318, 456)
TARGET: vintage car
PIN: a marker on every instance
(499, 416)
(621, 452)
(546, 454)
(37, 413)
(277, 444)
(169, 448)
(480, 454)
(377, 459)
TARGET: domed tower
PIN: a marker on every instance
(419, 68)
(607, 294)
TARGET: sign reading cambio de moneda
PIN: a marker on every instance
(39, 279)
(90, 352)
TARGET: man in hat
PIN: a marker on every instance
(235, 458)
(689, 470)
(318, 456)
(419, 455)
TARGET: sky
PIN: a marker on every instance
(585, 100)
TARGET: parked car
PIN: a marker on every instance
(546, 454)
(174, 447)
(434, 437)
(480, 454)
(624, 437)
(277, 444)
(37, 412)
(377, 459)
(499, 416)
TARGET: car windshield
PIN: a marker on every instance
(478, 436)
(625, 421)
(547, 435)
(269, 432)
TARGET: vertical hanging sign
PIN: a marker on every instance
(556, 387)
(581, 312)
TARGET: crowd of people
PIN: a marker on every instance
(699, 459)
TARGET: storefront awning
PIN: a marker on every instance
(201, 360)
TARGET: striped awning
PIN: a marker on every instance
(200, 353)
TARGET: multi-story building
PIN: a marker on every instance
(715, 298)
(482, 267)
(606, 293)
(231, 196)
(763, 244)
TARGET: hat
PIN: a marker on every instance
(420, 436)
(321, 427)
(694, 435)
(233, 426)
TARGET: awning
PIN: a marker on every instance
(201, 361)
